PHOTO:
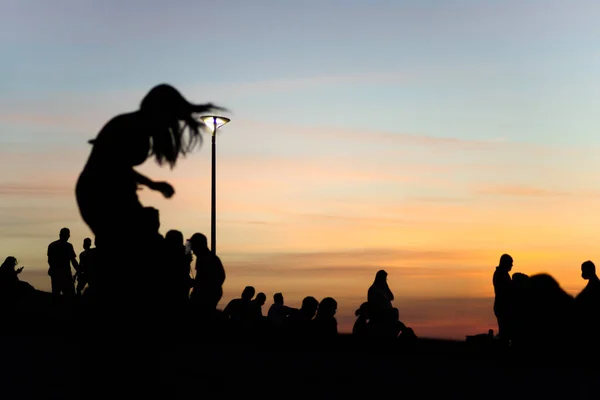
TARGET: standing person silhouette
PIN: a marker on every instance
(60, 257)
(587, 305)
(503, 302)
(82, 273)
(106, 191)
(210, 275)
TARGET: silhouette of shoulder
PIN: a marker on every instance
(61, 250)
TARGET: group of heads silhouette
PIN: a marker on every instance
(179, 297)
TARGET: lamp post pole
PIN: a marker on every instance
(215, 123)
(213, 200)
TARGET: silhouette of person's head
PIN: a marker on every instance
(9, 263)
(64, 234)
(327, 308)
(310, 305)
(520, 278)
(248, 293)
(8, 273)
(174, 238)
(200, 244)
(545, 285)
(363, 311)
(260, 299)
(165, 108)
(278, 298)
(506, 262)
(87, 243)
(381, 278)
(588, 270)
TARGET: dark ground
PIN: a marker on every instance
(80, 366)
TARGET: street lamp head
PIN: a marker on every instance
(213, 122)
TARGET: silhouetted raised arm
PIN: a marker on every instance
(163, 187)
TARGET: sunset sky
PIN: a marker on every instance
(422, 137)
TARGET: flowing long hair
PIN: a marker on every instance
(174, 117)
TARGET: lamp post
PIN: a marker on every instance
(214, 122)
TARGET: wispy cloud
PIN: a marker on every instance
(275, 86)
(35, 189)
(529, 191)
(75, 111)
(365, 220)
(370, 256)
(380, 137)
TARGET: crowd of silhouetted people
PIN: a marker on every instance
(138, 277)
(534, 312)
(185, 295)
(133, 276)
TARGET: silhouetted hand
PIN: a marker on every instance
(165, 188)
(19, 270)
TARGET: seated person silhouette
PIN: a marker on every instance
(258, 320)
(239, 311)
(9, 278)
(324, 325)
(551, 315)
(382, 315)
(520, 304)
(400, 330)
(16, 296)
(257, 305)
(106, 191)
(278, 311)
(9, 275)
(298, 324)
(361, 324)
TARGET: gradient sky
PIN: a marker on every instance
(423, 137)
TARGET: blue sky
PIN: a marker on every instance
(355, 124)
(473, 69)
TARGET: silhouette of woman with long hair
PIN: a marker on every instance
(380, 295)
(106, 191)
(379, 299)
(163, 127)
